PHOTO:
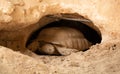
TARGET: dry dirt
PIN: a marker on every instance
(20, 18)
(100, 59)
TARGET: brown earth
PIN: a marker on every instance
(20, 18)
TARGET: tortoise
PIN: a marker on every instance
(60, 40)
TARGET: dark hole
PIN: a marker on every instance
(89, 33)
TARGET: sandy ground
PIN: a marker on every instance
(100, 59)
(18, 20)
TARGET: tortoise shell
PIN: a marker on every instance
(60, 36)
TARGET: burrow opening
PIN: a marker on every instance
(91, 34)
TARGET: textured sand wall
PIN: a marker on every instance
(18, 20)
(103, 58)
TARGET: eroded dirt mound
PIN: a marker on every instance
(100, 59)
(21, 21)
